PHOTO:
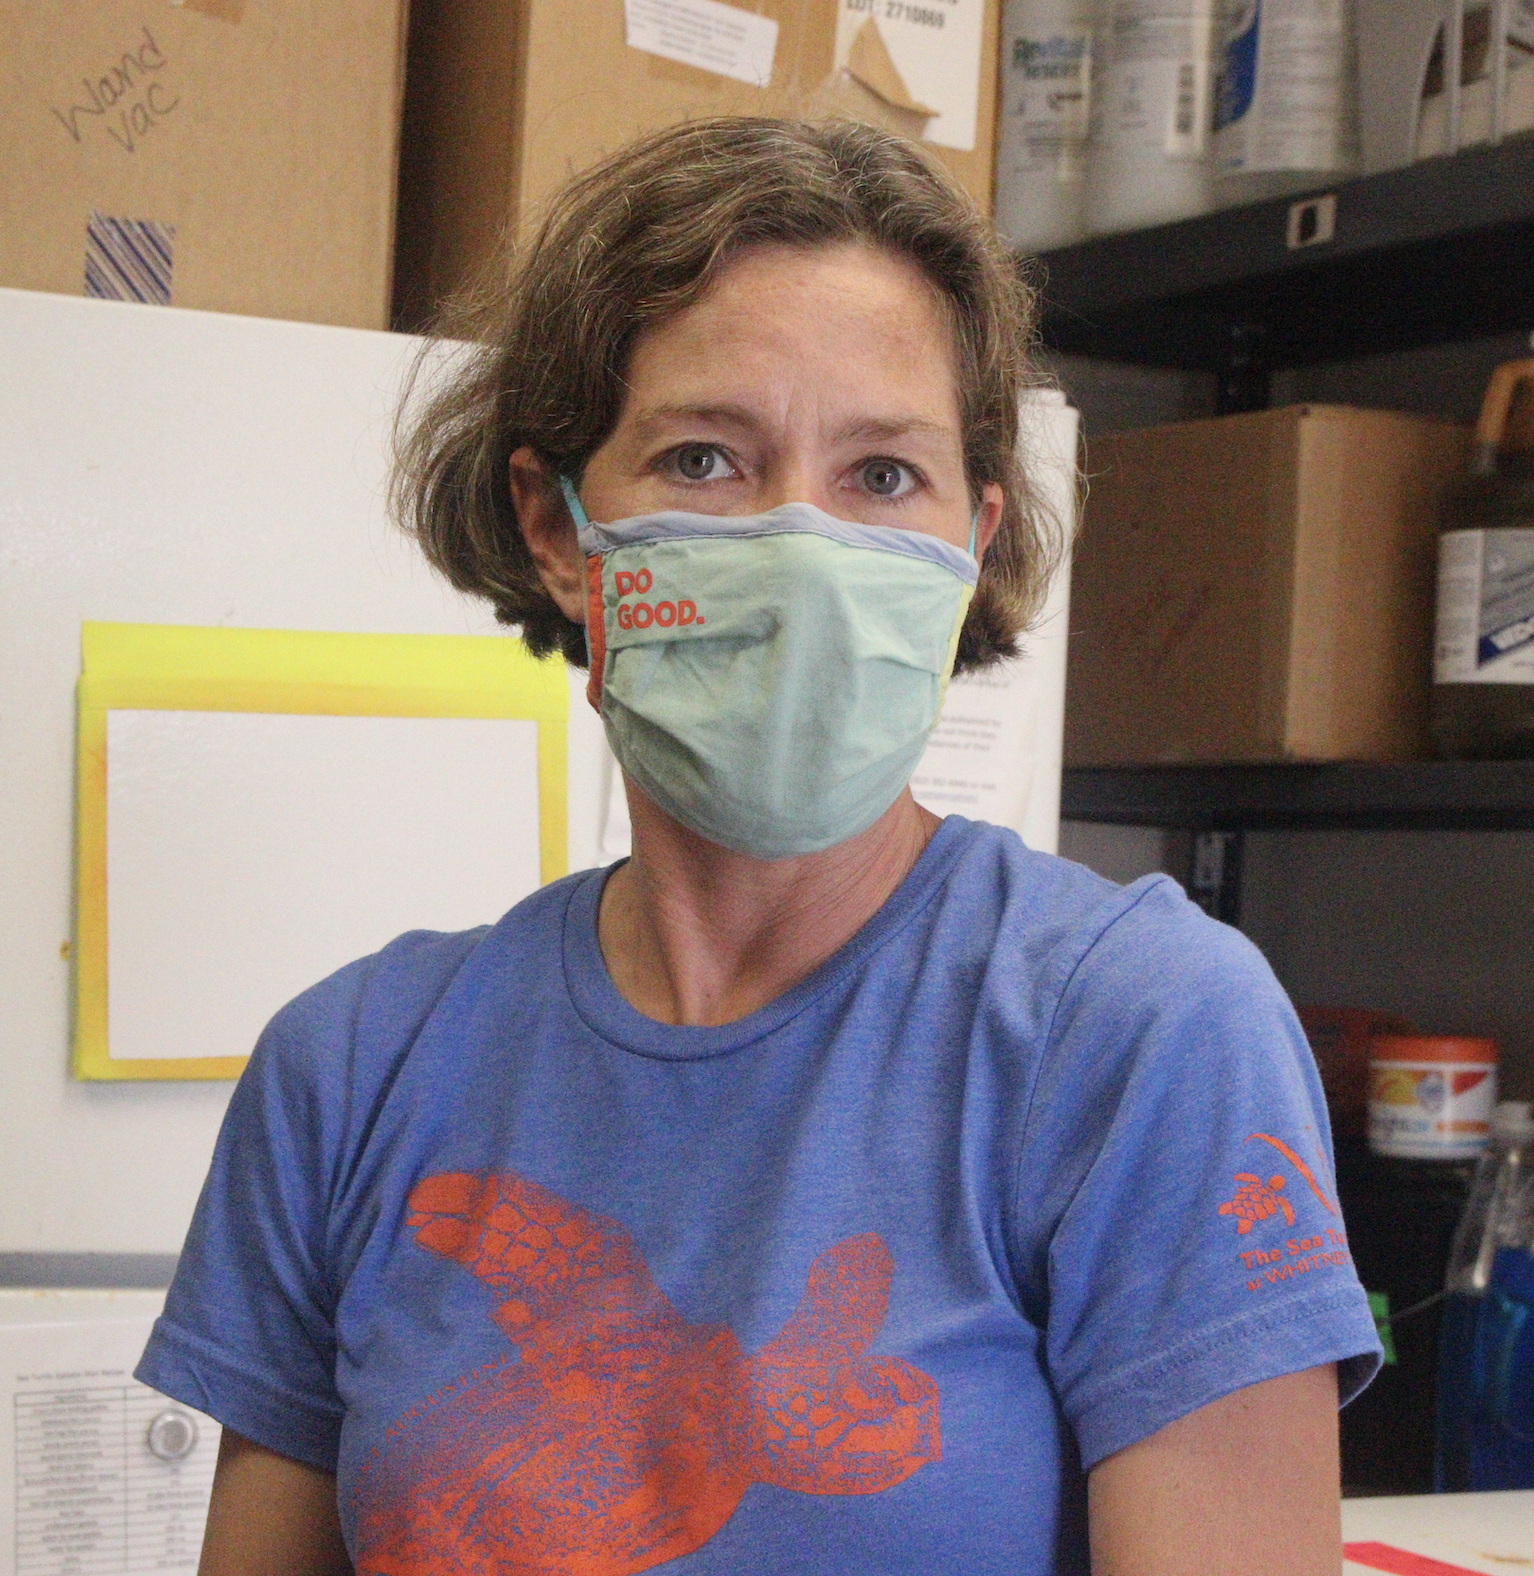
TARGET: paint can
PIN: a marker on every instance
(1431, 1097)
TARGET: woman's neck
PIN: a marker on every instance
(696, 934)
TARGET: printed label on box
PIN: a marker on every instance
(129, 259)
(934, 45)
(719, 38)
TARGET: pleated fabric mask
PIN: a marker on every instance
(770, 680)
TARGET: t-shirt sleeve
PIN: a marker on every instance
(248, 1329)
(1176, 1183)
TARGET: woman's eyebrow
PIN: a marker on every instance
(883, 428)
(659, 416)
(865, 428)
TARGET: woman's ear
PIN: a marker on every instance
(548, 530)
(988, 517)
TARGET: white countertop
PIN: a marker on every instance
(1488, 1534)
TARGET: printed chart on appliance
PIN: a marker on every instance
(107, 1475)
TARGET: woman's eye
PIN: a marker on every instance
(700, 462)
(886, 478)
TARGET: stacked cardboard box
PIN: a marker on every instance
(508, 98)
(1258, 588)
(238, 155)
(241, 155)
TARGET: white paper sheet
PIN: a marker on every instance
(249, 854)
(81, 1491)
(995, 754)
(1489, 1533)
(703, 33)
(935, 46)
(979, 761)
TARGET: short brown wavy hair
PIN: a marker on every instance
(632, 243)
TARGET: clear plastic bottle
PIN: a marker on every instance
(1481, 1327)
(1047, 49)
(1148, 158)
(1285, 99)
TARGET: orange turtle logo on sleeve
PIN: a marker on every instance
(625, 1436)
(1257, 1200)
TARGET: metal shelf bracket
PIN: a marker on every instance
(1214, 873)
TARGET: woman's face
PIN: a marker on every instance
(821, 376)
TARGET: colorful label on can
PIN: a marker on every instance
(1431, 1110)
(1281, 98)
(1485, 624)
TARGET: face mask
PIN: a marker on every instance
(770, 680)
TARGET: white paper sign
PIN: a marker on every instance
(995, 754)
(250, 854)
(719, 38)
(98, 1473)
(934, 45)
(978, 762)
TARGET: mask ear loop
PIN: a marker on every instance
(974, 524)
(583, 523)
(596, 630)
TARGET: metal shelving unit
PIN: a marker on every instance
(1218, 805)
(1439, 251)
(1422, 796)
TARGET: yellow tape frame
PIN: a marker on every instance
(174, 667)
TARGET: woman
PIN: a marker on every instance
(824, 1189)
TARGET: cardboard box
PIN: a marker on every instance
(506, 99)
(1258, 588)
(238, 155)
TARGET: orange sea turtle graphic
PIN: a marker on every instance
(625, 1436)
(1258, 1200)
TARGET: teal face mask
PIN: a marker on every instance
(770, 680)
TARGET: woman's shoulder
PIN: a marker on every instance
(1067, 923)
(359, 1020)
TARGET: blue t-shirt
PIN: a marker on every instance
(864, 1282)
